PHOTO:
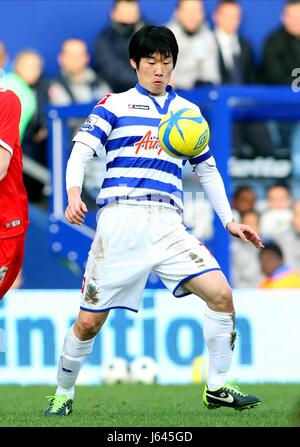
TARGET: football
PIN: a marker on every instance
(183, 133)
(115, 371)
(143, 370)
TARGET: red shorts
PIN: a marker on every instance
(11, 258)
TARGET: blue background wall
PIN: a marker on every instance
(43, 24)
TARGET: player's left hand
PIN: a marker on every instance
(244, 232)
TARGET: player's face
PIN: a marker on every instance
(154, 73)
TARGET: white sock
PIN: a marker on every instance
(75, 352)
(219, 335)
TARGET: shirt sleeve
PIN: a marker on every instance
(213, 185)
(80, 156)
(10, 112)
(96, 129)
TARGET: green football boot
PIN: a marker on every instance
(59, 405)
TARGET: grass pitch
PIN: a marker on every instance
(148, 406)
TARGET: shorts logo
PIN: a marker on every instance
(3, 271)
(91, 291)
(13, 223)
(138, 106)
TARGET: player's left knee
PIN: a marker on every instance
(223, 300)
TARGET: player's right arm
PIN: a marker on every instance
(89, 140)
(80, 156)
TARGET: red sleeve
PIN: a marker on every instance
(10, 113)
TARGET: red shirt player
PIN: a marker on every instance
(13, 196)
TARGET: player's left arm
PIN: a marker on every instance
(213, 186)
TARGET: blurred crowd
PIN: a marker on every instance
(277, 219)
(209, 55)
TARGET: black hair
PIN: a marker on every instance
(273, 247)
(150, 40)
(128, 1)
(292, 2)
(228, 2)
(241, 189)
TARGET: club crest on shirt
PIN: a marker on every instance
(148, 142)
(138, 106)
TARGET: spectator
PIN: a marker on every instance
(276, 218)
(281, 52)
(245, 268)
(289, 241)
(281, 55)
(13, 81)
(111, 50)
(196, 41)
(77, 82)
(236, 60)
(236, 65)
(4, 60)
(244, 200)
(29, 67)
(279, 275)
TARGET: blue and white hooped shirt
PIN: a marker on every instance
(126, 125)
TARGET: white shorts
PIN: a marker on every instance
(130, 242)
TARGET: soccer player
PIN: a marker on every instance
(140, 225)
(13, 196)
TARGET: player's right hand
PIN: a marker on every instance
(75, 212)
(76, 209)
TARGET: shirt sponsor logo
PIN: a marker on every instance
(148, 142)
(138, 106)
